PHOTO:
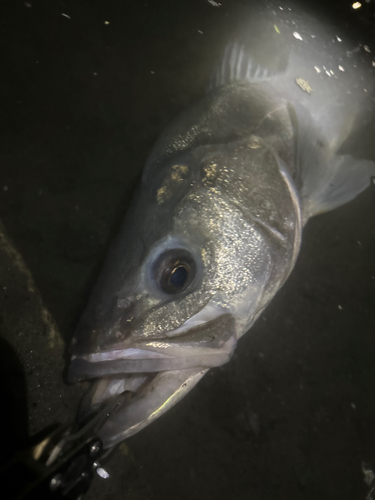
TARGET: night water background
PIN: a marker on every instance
(85, 90)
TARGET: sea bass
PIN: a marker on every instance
(215, 228)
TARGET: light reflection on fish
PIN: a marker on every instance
(215, 229)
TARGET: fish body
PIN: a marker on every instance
(215, 228)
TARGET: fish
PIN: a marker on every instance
(215, 227)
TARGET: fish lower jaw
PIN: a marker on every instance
(104, 389)
(109, 387)
(150, 396)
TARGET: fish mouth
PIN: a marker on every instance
(156, 373)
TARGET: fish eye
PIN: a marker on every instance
(174, 271)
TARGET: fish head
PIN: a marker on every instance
(186, 277)
(185, 257)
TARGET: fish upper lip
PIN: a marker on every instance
(205, 346)
(210, 312)
(127, 353)
(81, 369)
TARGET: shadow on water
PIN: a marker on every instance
(14, 412)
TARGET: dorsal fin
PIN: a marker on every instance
(238, 65)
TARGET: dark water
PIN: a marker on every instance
(82, 102)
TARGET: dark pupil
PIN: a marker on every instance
(174, 271)
(179, 276)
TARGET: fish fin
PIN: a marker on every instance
(340, 181)
(238, 65)
(326, 179)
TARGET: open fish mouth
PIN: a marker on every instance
(157, 374)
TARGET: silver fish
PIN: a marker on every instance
(215, 228)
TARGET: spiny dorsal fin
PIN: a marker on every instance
(238, 65)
